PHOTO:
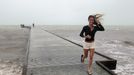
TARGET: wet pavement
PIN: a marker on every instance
(51, 55)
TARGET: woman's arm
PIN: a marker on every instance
(100, 27)
(82, 32)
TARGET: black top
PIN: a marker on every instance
(87, 31)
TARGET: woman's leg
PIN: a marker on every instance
(91, 55)
(85, 54)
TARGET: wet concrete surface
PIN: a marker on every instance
(51, 55)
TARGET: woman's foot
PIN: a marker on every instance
(90, 71)
(82, 58)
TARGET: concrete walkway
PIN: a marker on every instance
(51, 55)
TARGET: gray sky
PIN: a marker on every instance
(65, 12)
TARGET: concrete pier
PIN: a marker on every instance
(51, 55)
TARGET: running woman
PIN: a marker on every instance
(88, 33)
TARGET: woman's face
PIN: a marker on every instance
(91, 20)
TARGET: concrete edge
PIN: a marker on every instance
(24, 71)
(108, 65)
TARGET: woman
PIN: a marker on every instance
(88, 33)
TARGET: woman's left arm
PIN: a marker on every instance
(100, 27)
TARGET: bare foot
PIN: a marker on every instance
(90, 71)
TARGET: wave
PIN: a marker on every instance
(128, 43)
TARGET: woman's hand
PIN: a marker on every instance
(88, 36)
(98, 18)
(97, 21)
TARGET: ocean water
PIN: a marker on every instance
(116, 42)
(13, 46)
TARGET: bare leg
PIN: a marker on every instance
(91, 55)
(85, 54)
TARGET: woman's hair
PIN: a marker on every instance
(90, 16)
(96, 17)
(93, 17)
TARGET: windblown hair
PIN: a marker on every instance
(97, 17)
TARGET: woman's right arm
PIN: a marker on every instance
(82, 33)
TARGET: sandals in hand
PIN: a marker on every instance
(82, 60)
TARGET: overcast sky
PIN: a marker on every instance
(65, 12)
